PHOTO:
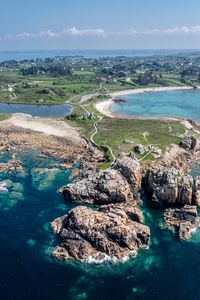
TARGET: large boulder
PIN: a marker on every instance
(197, 191)
(188, 142)
(112, 233)
(169, 188)
(139, 148)
(104, 187)
(182, 220)
(129, 168)
(114, 185)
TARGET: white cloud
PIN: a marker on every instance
(99, 32)
(184, 29)
(73, 31)
(77, 32)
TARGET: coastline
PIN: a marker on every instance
(104, 106)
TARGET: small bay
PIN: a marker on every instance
(176, 103)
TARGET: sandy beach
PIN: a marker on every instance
(46, 126)
(103, 107)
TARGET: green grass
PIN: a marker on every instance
(113, 132)
(4, 117)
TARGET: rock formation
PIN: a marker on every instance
(117, 184)
(188, 142)
(111, 233)
(183, 221)
(170, 188)
(139, 149)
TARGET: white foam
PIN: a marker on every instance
(93, 259)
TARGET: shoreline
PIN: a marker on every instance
(104, 106)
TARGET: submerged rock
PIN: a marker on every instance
(11, 166)
(117, 184)
(43, 178)
(182, 220)
(111, 233)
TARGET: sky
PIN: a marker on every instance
(99, 24)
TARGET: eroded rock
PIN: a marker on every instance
(117, 184)
(182, 220)
(197, 190)
(103, 187)
(169, 188)
(139, 149)
(129, 167)
(108, 234)
(188, 142)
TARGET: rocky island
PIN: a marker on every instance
(115, 230)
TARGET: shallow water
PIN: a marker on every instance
(181, 103)
(169, 269)
(59, 110)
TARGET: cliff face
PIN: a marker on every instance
(170, 188)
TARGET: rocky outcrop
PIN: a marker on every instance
(197, 191)
(139, 149)
(183, 221)
(129, 168)
(117, 184)
(188, 142)
(112, 233)
(170, 188)
(103, 187)
(12, 165)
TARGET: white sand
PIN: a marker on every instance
(103, 107)
(43, 125)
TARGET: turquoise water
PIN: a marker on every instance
(168, 270)
(59, 110)
(180, 103)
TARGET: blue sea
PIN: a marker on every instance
(176, 103)
(169, 269)
(25, 54)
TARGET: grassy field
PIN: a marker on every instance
(114, 132)
(3, 117)
(46, 89)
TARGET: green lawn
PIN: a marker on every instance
(113, 132)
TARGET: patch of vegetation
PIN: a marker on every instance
(115, 132)
(4, 117)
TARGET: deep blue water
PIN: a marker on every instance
(181, 103)
(59, 110)
(25, 54)
(168, 270)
